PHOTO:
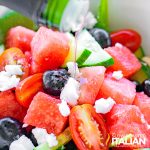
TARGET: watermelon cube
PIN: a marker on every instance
(122, 91)
(44, 113)
(9, 107)
(123, 120)
(143, 102)
(124, 60)
(19, 37)
(49, 50)
(138, 131)
(91, 81)
(125, 114)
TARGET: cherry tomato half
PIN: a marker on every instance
(87, 128)
(14, 56)
(27, 88)
(126, 37)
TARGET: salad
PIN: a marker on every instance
(74, 85)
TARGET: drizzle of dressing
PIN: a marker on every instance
(76, 37)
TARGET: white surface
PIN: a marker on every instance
(132, 14)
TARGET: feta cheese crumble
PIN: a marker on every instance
(64, 109)
(90, 21)
(51, 140)
(8, 82)
(118, 45)
(70, 92)
(8, 78)
(117, 75)
(23, 143)
(73, 21)
(104, 105)
(42, 137)
(73, 69)
(14, 69)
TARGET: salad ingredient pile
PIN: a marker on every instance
(86, 90)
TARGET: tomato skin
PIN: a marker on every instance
(85, 122)
(126, 37)
(14, 56)
(27, 89)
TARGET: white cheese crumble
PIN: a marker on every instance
(104, 105)
(71, 92)
(8, 78)
(8, 82)
(64, 109)
(42, 137)
(117, 75)
(73, 69)
(23, 143)
(14, 69)
(90, 21)
(75, 21)
(51, 140)
(118, 45)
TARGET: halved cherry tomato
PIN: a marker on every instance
(126, 37)
(87, 128)
(14, 56)
(27, 88)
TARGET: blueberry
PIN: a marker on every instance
(139, 87)
(10, 130)
(101, 36)
(54, 81)
(146, 87)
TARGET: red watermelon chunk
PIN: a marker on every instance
(9, 107)
(123, 120)
(138, 131)
(93, 78)
(19, 37)
(122, 91)
(143, 102)
(124, 60)
(49, 50)
(125, 114)
(44, 113)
